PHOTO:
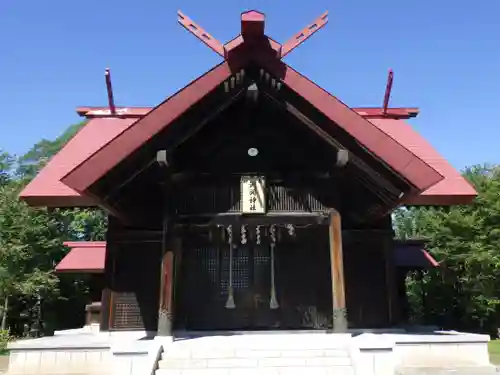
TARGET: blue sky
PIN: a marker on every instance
(445, 55)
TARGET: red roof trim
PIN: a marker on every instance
(412, 253)
(420, 174)
(86, 244)
(88, 172)
(138, 112)
(430, 258)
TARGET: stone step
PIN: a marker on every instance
(177, 363)
(255, 354)
(297, 370)
(214, 353)
(463, 370)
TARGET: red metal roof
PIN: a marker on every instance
(453, 189)
(252, 47)
(84, 257)
(418, 173)
(105, 142)
(46, 189)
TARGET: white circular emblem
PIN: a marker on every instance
(253, 151)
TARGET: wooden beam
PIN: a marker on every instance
(165, 313)
(295, 218)
(107, 291)
(139, 112)
(390, 279)
(337, 272)
(178, 252)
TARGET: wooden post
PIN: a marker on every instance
(337, 272)
(177, 268)
(165, 314)
(402, 296)
(390, 281)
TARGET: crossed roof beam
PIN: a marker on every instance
(252, 30)
(252, 34)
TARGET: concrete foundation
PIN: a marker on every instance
(86, 351)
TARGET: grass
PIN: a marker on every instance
(494, 350)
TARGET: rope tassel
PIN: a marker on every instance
(230, 296)
(273, 303)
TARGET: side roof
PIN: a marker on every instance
(89, 257)
(84, 257)
(453, 189)
(46, 189)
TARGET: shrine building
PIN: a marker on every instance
(250, 200)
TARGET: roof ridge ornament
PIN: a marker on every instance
(200, 33)
(252, 29)
(388, 90)
(304, 34)
(109, 89)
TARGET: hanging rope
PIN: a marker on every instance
(273, 303)
(230, 295)
(289, 227)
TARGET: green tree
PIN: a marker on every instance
(28, 240)
(465, 292)
(31, 239)
(30, 163)
(6, 165)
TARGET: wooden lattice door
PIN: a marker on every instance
(302, 281)
(204, 284)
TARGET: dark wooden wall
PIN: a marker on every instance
(132, 280)
(370, 288)
(130, 299)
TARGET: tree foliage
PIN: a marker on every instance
(464, 293)
(31, 239)
(31, 162)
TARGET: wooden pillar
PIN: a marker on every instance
(165, 313)
(404, 312)
(107, 319)
(423, 296)
(390, 282)
(337, 272)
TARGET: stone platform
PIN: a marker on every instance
(361, 352)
